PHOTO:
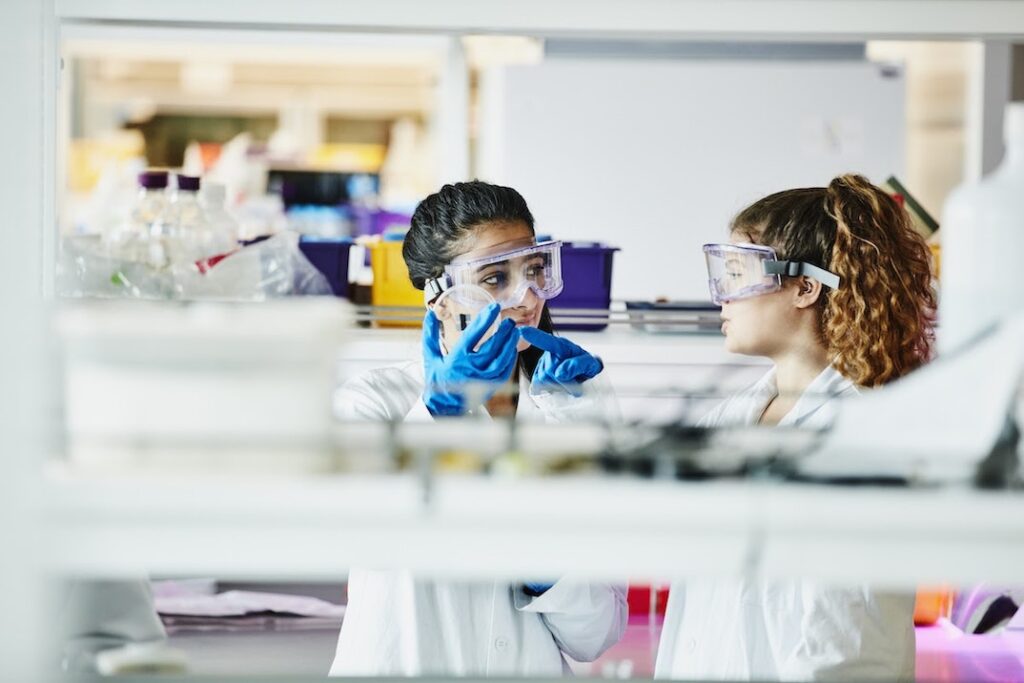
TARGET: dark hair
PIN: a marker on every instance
(445, 219)
(880, 323)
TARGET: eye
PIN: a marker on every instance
(494, 280)
(535, 268)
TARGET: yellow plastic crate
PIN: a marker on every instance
(391, 284)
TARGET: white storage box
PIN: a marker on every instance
(205, 385)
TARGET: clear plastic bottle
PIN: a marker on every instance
(186, 235)
(223, 226)
(130, 239)
(982, 242)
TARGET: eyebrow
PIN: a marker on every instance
(491, 265)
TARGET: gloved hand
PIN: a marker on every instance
(493, 362)
(536, 589)
(563, 364)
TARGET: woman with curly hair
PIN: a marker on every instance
(835, 287)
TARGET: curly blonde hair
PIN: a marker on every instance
(880, 323)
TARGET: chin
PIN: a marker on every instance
(733, 345)
(522, 345)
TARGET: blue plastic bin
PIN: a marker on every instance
(330, 256)
(587, 278)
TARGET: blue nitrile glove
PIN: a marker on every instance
(493, 362)
(536, 589)
(563, 364)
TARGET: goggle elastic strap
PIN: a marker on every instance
(435, 287)
(797, 268)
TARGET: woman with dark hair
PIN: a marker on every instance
(479, 236)
(483, 235)
(835, 287)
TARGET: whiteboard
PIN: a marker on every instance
(656, 157)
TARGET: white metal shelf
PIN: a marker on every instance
(619, 346)
(663, 19)
(486, 527)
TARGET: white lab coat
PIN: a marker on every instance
(750, 629)
(398, 625)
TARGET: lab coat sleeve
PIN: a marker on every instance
(716, 416)
(585, 618)
(849, 634)
(389, 393)
(361, 399)
(598, 402)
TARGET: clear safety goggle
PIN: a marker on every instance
(741, 271)
(506, 272)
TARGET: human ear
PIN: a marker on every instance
(807, 292)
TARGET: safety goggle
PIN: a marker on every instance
(506, 272)
(742, 271)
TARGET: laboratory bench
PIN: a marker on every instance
(944, 653)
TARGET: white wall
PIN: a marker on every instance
(657, 156)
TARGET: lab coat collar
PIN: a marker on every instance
(826, 387)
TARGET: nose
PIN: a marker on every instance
(527, 301)
(530, 299)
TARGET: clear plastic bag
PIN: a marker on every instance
(88, 268)
(274, 267)
(271, 268)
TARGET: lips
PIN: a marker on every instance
(524, 322)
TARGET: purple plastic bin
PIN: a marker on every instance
(376, 222)
(587, 278)
(330, 256)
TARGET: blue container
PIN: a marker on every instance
(330, 256)
(587, 281)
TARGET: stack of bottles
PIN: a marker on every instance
(180, 242)
(174, 229)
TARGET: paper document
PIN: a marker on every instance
(240, 603)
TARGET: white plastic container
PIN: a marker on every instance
(983, 245)
(239, 387)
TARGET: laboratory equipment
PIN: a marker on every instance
(982, 242)
(203, 386)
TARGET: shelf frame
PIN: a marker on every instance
(717, 20)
